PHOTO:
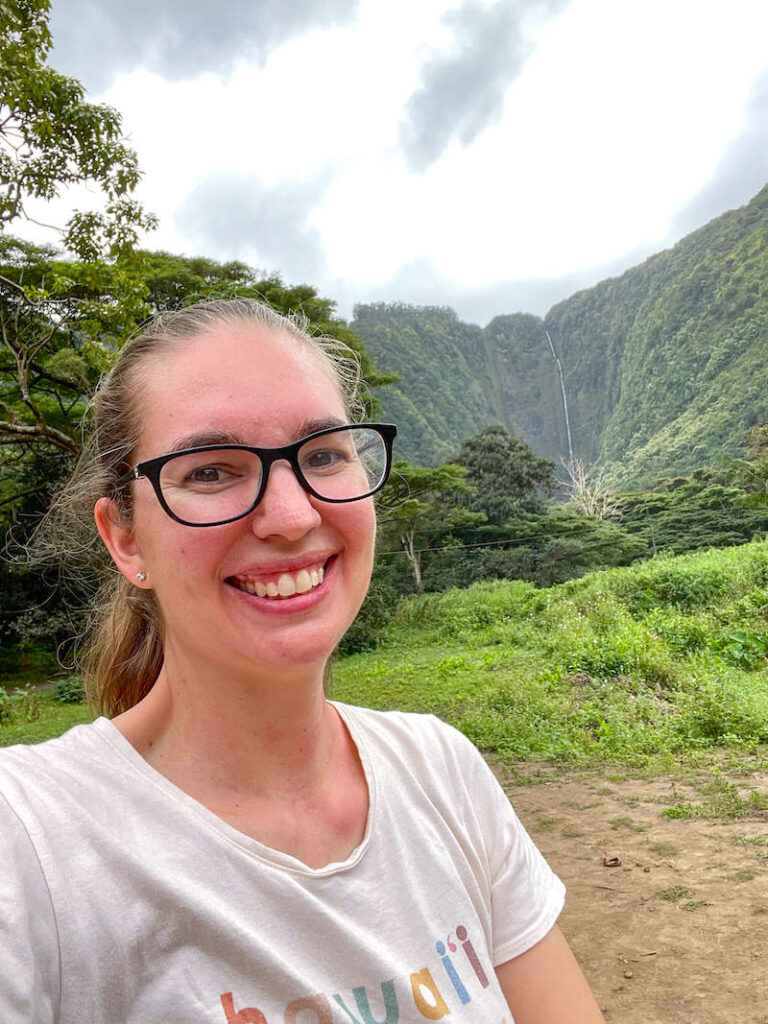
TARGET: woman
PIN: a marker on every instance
(231, 847)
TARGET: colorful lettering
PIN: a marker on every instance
(452, 973)
(319, 1004)
(248, 1015)
(364, 1008)
(469, 949)
(430, 1005)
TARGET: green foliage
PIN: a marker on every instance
(712, 508)
(664, 366)
(506, 476)
(743, 648)
(722, 799)
(51, 138)
(70, 690)
(378, 608)
(545, 549)
(19, 705)
(483, 518)
(657, 659)
(52, 718)
(441, 396)
(419, 508)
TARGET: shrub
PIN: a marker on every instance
(21, 705)
(70, 690)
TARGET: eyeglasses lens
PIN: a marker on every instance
(214, 486)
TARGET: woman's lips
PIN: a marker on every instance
(286, 585)
(280, 586)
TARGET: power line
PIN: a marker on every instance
(519, 539)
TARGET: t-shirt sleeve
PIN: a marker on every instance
(526, 895)
(29, 951)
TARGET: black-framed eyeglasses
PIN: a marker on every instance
(216, 484)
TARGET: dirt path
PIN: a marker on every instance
(677, 933)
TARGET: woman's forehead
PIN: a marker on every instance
(243, 346)
(236, 380)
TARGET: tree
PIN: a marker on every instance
(51, 138)
(757, 444)
(418, 510)
(506, 477)
(60, 325)
(711, 508)
(589, 492)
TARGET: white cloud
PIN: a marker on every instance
(621, 116)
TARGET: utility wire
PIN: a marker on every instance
(521, 538)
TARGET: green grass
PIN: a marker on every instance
(722, 798)
(51, 719)
(674, 894)
(750, 840)
(645, 665)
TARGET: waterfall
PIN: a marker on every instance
(565, 400)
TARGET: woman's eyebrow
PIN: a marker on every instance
(205, 437)
(312, 426)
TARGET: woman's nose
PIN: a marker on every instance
(285, 509)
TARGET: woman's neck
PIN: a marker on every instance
(248, 734)
(274, 761)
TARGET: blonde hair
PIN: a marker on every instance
(123, 650)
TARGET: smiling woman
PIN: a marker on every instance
(227, 845)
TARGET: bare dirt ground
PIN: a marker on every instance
(677, 932)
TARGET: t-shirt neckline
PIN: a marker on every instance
(228, 833)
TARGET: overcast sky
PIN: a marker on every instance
(492, 156)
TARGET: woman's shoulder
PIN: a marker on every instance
(424, 735)
(80, 746)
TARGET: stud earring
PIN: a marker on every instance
(141, 576)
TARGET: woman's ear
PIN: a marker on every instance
(120, 540)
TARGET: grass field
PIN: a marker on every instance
(660, 659)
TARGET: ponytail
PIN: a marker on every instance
(125, 654)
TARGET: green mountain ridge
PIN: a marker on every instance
(665, 367)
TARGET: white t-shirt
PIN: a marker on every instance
(125, 901)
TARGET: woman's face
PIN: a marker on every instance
(244, 384)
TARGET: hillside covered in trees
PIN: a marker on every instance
(664, 368)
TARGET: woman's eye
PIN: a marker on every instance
(324, 458)
(208, 475)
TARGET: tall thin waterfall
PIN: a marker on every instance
(565, 400)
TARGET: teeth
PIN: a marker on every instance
(286, 586)
(303, 582)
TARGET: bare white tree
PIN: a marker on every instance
(589, 492)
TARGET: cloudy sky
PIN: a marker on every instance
(491, 155)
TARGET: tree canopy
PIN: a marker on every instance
(506, 476)
(51, 138)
